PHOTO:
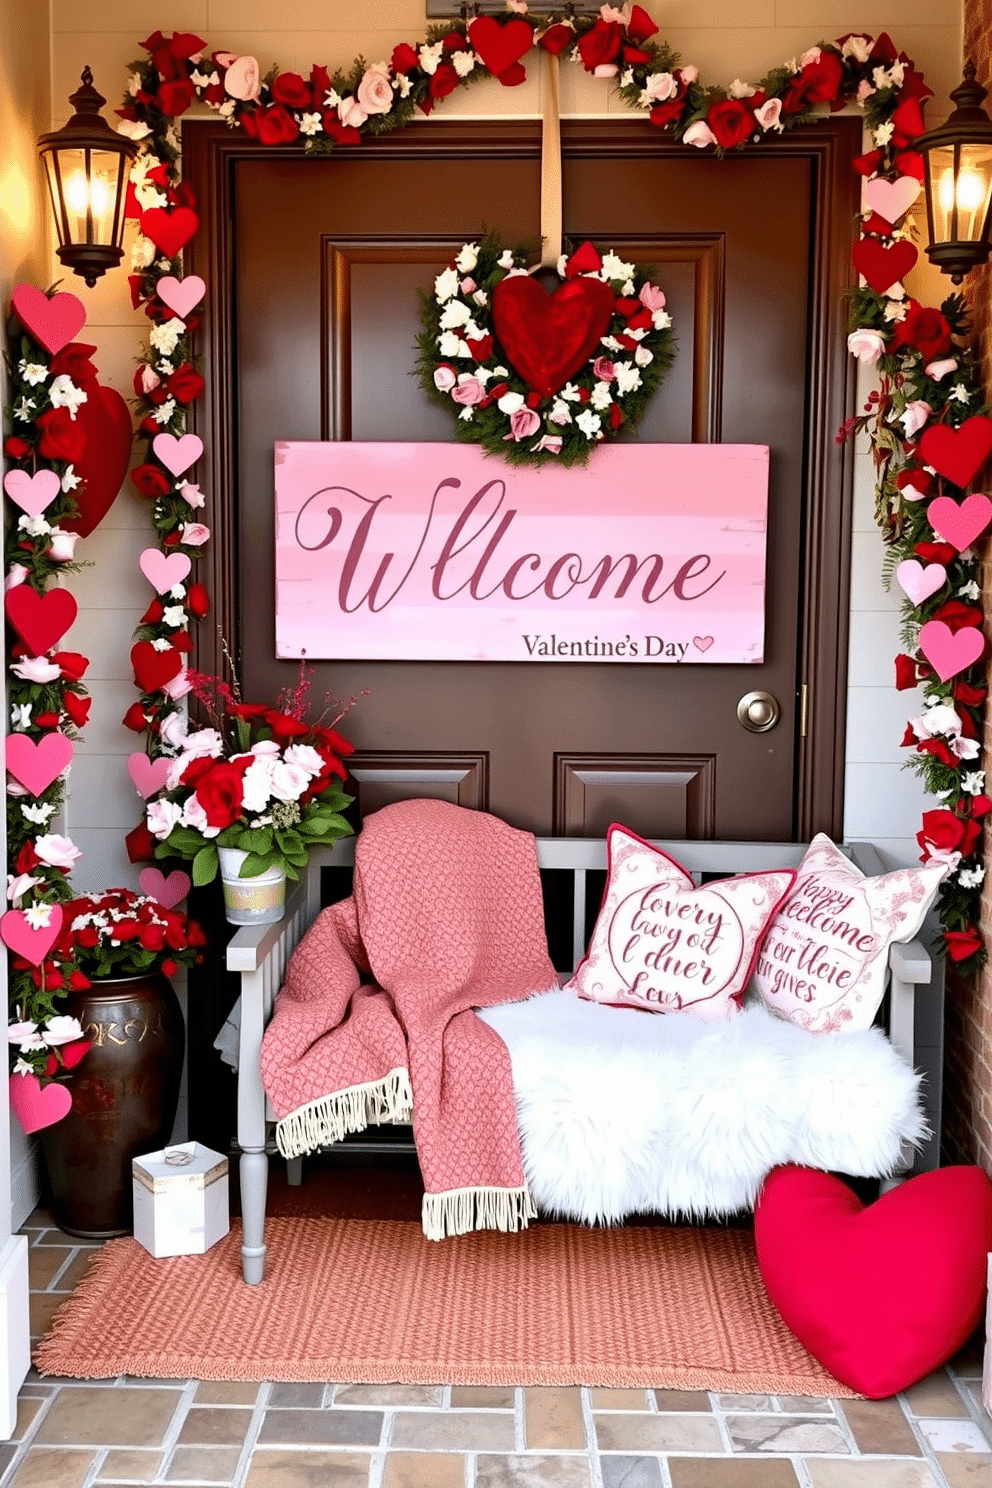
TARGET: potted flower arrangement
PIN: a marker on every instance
(250, 794)
(116, 951)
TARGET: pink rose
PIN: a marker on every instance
(651, 297)
(445, 377)
(468, 390)
(605, 70)
(549, 442)
(939, 370)
(523, 423)
(768, 115)
(866, 345)
(688, 74)
(351, 113)
(604, 369)
(243, 79)
(699, 134)
(177, 686)
(658, 87)
(61, 546)
(149, 379)
(467, 286)
(375, 93)
(195, 534)
(914, 416)
(16, 574)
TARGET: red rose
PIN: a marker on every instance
(962, 943)
(79, 983)
(616, 415)
(77, 708)
(936, 552)
(246, 710)
(197, 601)
(404, 58)
(285, 727)
(341, 134)
(290, 89)
(183, 45)
(15, 447)
(819, 82)
(939, 751)
(71, 664)
(908, 121)
(668, 112)
(75, 361)
(320, 81)
(443, 81)
(556, 38)
(925, 330)
(601, 44)
(153, 937)
(956, 615)
(971, 697)
(126, 930)
(150, 480)
(942, 829)
(640, 26)
(482, 349)
(732, 122)
(196, 769)
(584, 260)
(153, 614)
(26, 859)
(220, 793)
(276, 126)
(454, 43)
(47, 720)
(185, 384)
(140, 845)
(170, 967)
(980, 806)
(62, 437)
(175, 97)
(906, 676)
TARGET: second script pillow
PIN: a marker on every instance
(662, 944)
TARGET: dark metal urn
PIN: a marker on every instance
(124, 1098)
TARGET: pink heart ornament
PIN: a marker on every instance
(54, 322)
(162, 570)
(919, 581)
(148, 775)
(32, 493)
(36, 1105)
(178, 454)
(702, 643)
(33, 945)
(950, 652)
(181, 294)
(891, 199)
(167, 891)
(960, 524)
(37, 765)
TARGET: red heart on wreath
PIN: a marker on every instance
(106, 422)
(882, 266)
(170, 231)
(957, 453)
(153, 668)
(549, 337)
(500, 46)
(41, 620)
(53, 320)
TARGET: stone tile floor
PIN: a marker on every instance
(71, 1434)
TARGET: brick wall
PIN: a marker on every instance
(968, 1035)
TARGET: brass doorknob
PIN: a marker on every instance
(758, 712)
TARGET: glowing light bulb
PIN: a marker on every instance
(78, 199)
(945, 191)
(971, 191)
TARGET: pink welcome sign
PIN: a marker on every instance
(653, 553)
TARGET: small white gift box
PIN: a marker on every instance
(180, 1199)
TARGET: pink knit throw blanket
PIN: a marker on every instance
(376, 1013)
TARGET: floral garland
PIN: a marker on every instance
(48, 703)
(495, 405)
(916, 398)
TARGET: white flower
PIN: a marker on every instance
(699, 134)
(740, 89)
(446, 285)
(970, 590)
(164, 337)
(960, 393)
(628, 377)
(866, 345)
(601, 397)
(204, 80)
(657, 87)
(161, 817)
(614, 267)
(38, 916)
(226, 109)
(589, 423)
(895, 310)
(462, 62)
(192, 494)
(430, 57)
(62, 548)
(332, 98)
(450, 345)
(884, 132)
(501, 371)
(35, 669)
(914, 416)
(611, 343)
(24, 1034)
(455, 314)
(32, 372)
(505, 260)
(257, 784)
(310, 124)
(510, 402)
(467, 413)
(403, 84)
(20, 885)
(306, 757)
(58, 852)
(973, 782)
(133, 129)
(24, 410)
(858, 47)
(34, 526)
(560, 412)
(174, 616)
(480, 298)
(971, 878)
(65, 394)
(20, 716)
(164, 411)
(570, 393)
(891, 77)
(38, 814)
(62, 1030)
(466, 258)
(289, 781)
(643, 357)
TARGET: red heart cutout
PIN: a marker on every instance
(883, 266)
(41, 620)
(880, 1295)
(500, 46)
(958, 454)
(36, 1105)
(549, 337)
(152, 669)
(170, 231)
(106, 421)
(54, 322)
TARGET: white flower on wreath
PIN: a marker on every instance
(462, 62)
(18, 886)
(133, 129)
(505, 260)
(26, 1035)
(310, 124)
(70, 480)
(510, 402)
(570, 393)
(24, 410)
(867, 345)
(164, 411)
(164, 337)
(601, 398)
(162, 816)
(37, 526)
(404, 84)
(429, 57)
(971, 878)
(455, 313)
(467, 414)
(32, 372)
(884, 133)
(858, 47)
(614, 267)
(38, 815)
(914, 416)
(450, 345)
(36, 669)
(973, 782)
(740, 89)
(62, 547)
(446, 285)
(20, 717)
(560, 413)
(195, 816)
(658, 86)
(970, 590)
(699, 134)
(62, 1029)
(643, 357)
(628, 377)
(590, 423)
(467, 257)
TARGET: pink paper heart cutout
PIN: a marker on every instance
(181, 294)
(960, 523)
(162, 570)
(168, 891)
(178, 454)
(702, 643)
(54, 322)
(36, 1105)
(890, 199)
(32, 493)
(36, 765)
(919, 581)
(948, 651)
(33, 945)
(148, 774)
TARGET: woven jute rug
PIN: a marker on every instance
(365, 1301)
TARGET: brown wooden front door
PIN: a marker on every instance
(314, 268)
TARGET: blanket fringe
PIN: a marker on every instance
(322, 1122)
(459, 1210)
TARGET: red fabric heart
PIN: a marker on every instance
(880, 1295)
(958, 454)
(53, 321)
(549, 337)
(41, 620)
(152, 669)
(883, 266)
(500, 46)
(170, 231)
(106, 420)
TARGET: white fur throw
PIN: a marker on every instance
(623, 1112)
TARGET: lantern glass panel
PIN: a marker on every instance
(940, 164)
(974, 189)
(89, 193)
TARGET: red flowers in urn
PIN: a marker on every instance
(120, 933)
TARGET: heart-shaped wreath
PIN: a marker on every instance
(535, 376)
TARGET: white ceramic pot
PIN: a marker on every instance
(250, 901)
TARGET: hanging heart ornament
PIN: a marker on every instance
(536, 373)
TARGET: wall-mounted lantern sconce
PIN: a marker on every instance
(958, 180)
(86, 163)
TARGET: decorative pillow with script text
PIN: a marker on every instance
(662, 944)
(824, 961)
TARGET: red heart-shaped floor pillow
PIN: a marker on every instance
(549, 337)
(880, 1295)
